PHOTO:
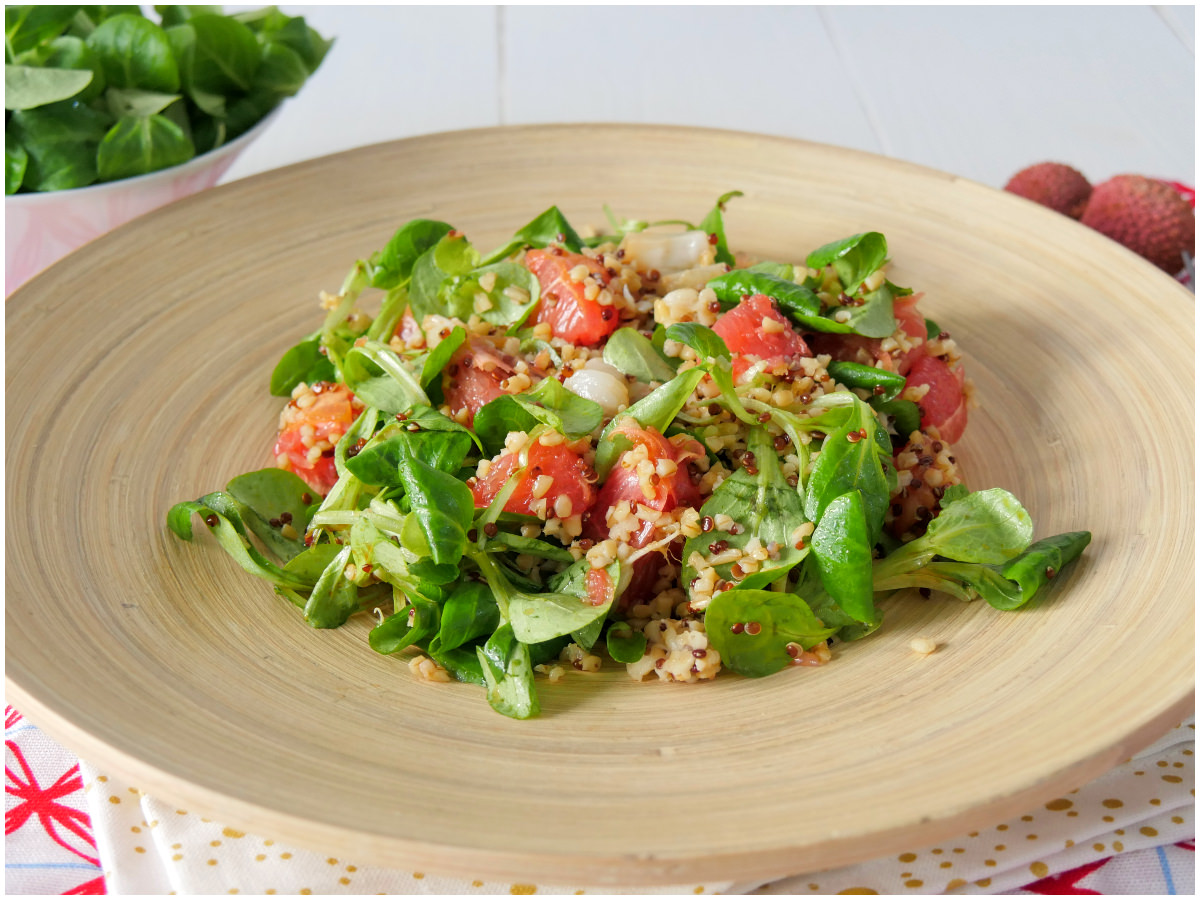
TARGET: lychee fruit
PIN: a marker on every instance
(1145, 215)
(1055, 185)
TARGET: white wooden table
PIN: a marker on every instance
(980, 92)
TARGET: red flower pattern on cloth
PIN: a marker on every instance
(47, 830)
(95, 886)
(54, 815)
(1067, 882)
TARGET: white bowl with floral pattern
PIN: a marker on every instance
(41, 228)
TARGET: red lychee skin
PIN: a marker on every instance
(1055, 185)
(1145, 215)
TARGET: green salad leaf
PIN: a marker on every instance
(635, 355)
(714, 224)
(551, 227)
(547, 403)
(767, 509)
(795, 300)
(26, 87)
(103, 93)
(853, 258)
(752, 629)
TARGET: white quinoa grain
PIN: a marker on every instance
(771, 325)
(677, 650)
(733, 554)
(922, 645)
(426, 669)
(579, 658)
(783, 398)
(801, 532)
(602, 554)
(874, 281)
(553, 674)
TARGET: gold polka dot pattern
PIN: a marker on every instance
(164, 850)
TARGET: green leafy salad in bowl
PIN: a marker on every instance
(102, 93)
(634, 446)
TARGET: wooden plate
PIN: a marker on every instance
(136, 376)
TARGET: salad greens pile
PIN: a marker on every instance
(400, 531)
(980, 545)
(100, 93)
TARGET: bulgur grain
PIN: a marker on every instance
(923, 645)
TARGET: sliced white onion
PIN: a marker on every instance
(668, 252)
(692, 278)
(599, 365)
(601, 387)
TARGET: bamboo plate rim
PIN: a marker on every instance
(280, 237)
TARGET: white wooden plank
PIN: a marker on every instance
(1182, 21)
(977, 91)
(985, 91)
(769, 70)
(393, 72)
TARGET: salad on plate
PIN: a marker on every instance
(633, 445)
